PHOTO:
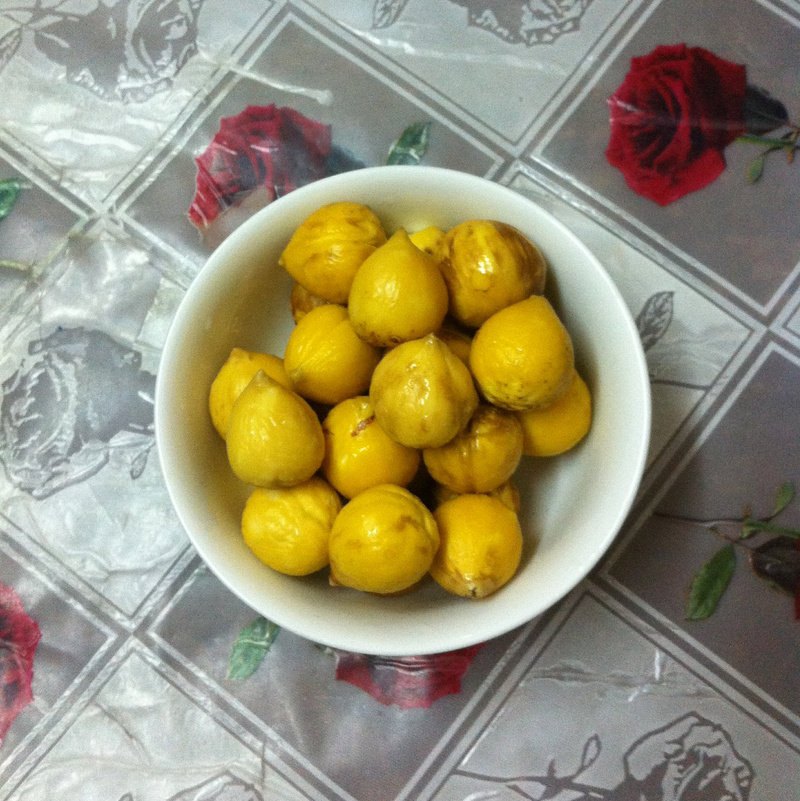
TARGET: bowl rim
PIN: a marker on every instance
(298, 199)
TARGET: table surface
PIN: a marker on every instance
(125, 675)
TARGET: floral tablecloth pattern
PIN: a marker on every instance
(135, 135)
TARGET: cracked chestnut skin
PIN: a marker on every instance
(328, 247)
(488, 265)
(422, 393)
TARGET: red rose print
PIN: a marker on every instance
(408, 682)
(19, 636)
(264, 147)
(676, 111)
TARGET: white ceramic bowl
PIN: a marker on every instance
(574, 504)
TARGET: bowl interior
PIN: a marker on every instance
(572, 505)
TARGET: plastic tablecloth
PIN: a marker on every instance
(135, 134)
